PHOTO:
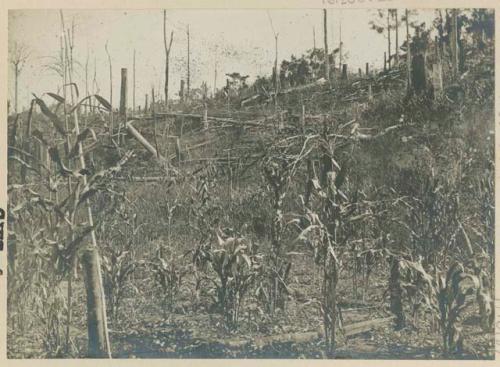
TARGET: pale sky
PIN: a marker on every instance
(241, 41)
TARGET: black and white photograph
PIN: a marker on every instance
(250, 183)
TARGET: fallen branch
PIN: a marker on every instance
(141, 139)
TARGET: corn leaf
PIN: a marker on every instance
(58, 124)
(103, 102)
(57, 97)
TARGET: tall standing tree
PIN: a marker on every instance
(167, 54)
(19, 54)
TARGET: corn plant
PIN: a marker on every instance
(452, 291)
(235, 265)
(50, 311)
(446, 294)
(169, 274)
(277, 176)
(118, 268)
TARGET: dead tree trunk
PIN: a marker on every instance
(123, 94)
(454, 43)
(215, 75)
(181, 91)
(167, 54)
(325, 32)
(314, 38)
(408, 54)
(340, 45)
(133, 87)
(388, 40)
(87, 81)
(16, 76)
(397, 36)
(110, 93)
(96, 317)
(419, 82)
(276, 76)
(188, 79)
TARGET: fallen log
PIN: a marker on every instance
(145, 179)
(319, 82)
(303, 337)
(141, 139)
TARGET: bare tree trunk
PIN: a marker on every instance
(110, 93)
(95, 87)
(154, 122)
(181, 91)
(454, 42)
(96, 320)
(123, 93)
(167, 54)
(388, 40)
(332, 37)
(314, 38)
(340, 44)
(133, 87)
(408, 54)
(276, 72)
(87, 80)
(16, 74)
(397, 36)
(215, 72)
(325, 32)
(188, 79)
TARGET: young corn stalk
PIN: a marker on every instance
(277, 177)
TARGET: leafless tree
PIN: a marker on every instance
(325, 32)
(19, 54)
(167, 54)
